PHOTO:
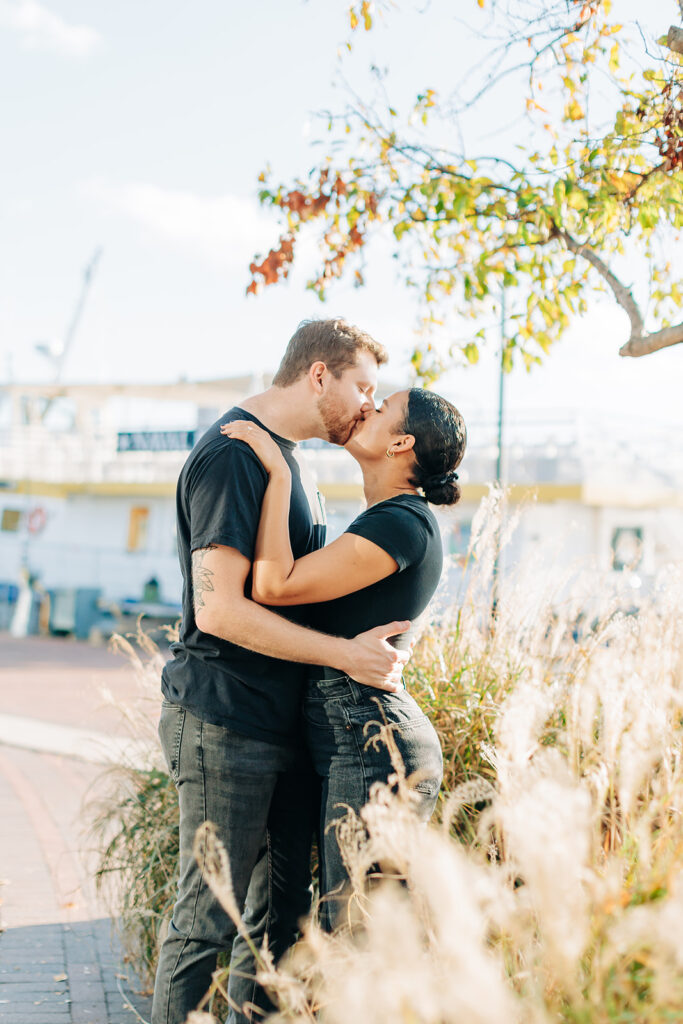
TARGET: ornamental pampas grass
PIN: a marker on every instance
(414, 947)
(559, 899)
(549, 887)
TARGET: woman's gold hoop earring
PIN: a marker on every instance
(390, 454)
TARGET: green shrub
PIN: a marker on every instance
(137, 830)
(133, 817)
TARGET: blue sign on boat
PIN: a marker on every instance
(156, 441)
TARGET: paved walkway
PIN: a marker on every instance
(59, 959)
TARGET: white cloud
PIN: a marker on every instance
(226, 230)
(41, 29)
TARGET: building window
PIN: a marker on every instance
(137, 528)
(627, 548)
(11, 520)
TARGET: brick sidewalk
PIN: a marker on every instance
(67, 682)
(66, 974)
(58, 959)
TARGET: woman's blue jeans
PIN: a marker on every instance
(263, 800)
(341, 718)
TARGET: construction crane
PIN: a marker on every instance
(57, 352)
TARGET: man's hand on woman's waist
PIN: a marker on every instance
(371, 659)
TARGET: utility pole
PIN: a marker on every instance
(501, 393)
(499, 461)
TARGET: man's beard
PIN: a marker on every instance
(337, 424)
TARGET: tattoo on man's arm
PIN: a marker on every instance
(202, 578)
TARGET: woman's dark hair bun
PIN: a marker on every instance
(440, 440)
(441, 493)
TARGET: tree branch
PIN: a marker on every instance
(640, 342)
(653, 342)
(621, 292)
(664, 166)
(674, 39)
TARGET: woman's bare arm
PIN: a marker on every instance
(349, 564)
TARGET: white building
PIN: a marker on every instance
(88, 475)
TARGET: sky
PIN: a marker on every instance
(141, 128)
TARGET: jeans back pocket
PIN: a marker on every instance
(171, 726)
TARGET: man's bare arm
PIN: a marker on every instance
(219, 575)
(202, 578)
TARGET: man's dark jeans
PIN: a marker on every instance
(262, 798)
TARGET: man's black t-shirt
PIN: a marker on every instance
(406, 528)
(218, 501)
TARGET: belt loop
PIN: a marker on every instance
(354, 690)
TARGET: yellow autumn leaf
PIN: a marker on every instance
(573, 111)
(614, 58)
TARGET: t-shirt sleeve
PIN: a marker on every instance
(225, 498)
(402, 532)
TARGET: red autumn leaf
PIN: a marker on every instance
(356, 237)
(273, 267)
(319, 203)
(294, 201)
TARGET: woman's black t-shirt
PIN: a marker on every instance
(406, 528)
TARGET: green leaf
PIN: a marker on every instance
(460, 203)
(577, 200)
